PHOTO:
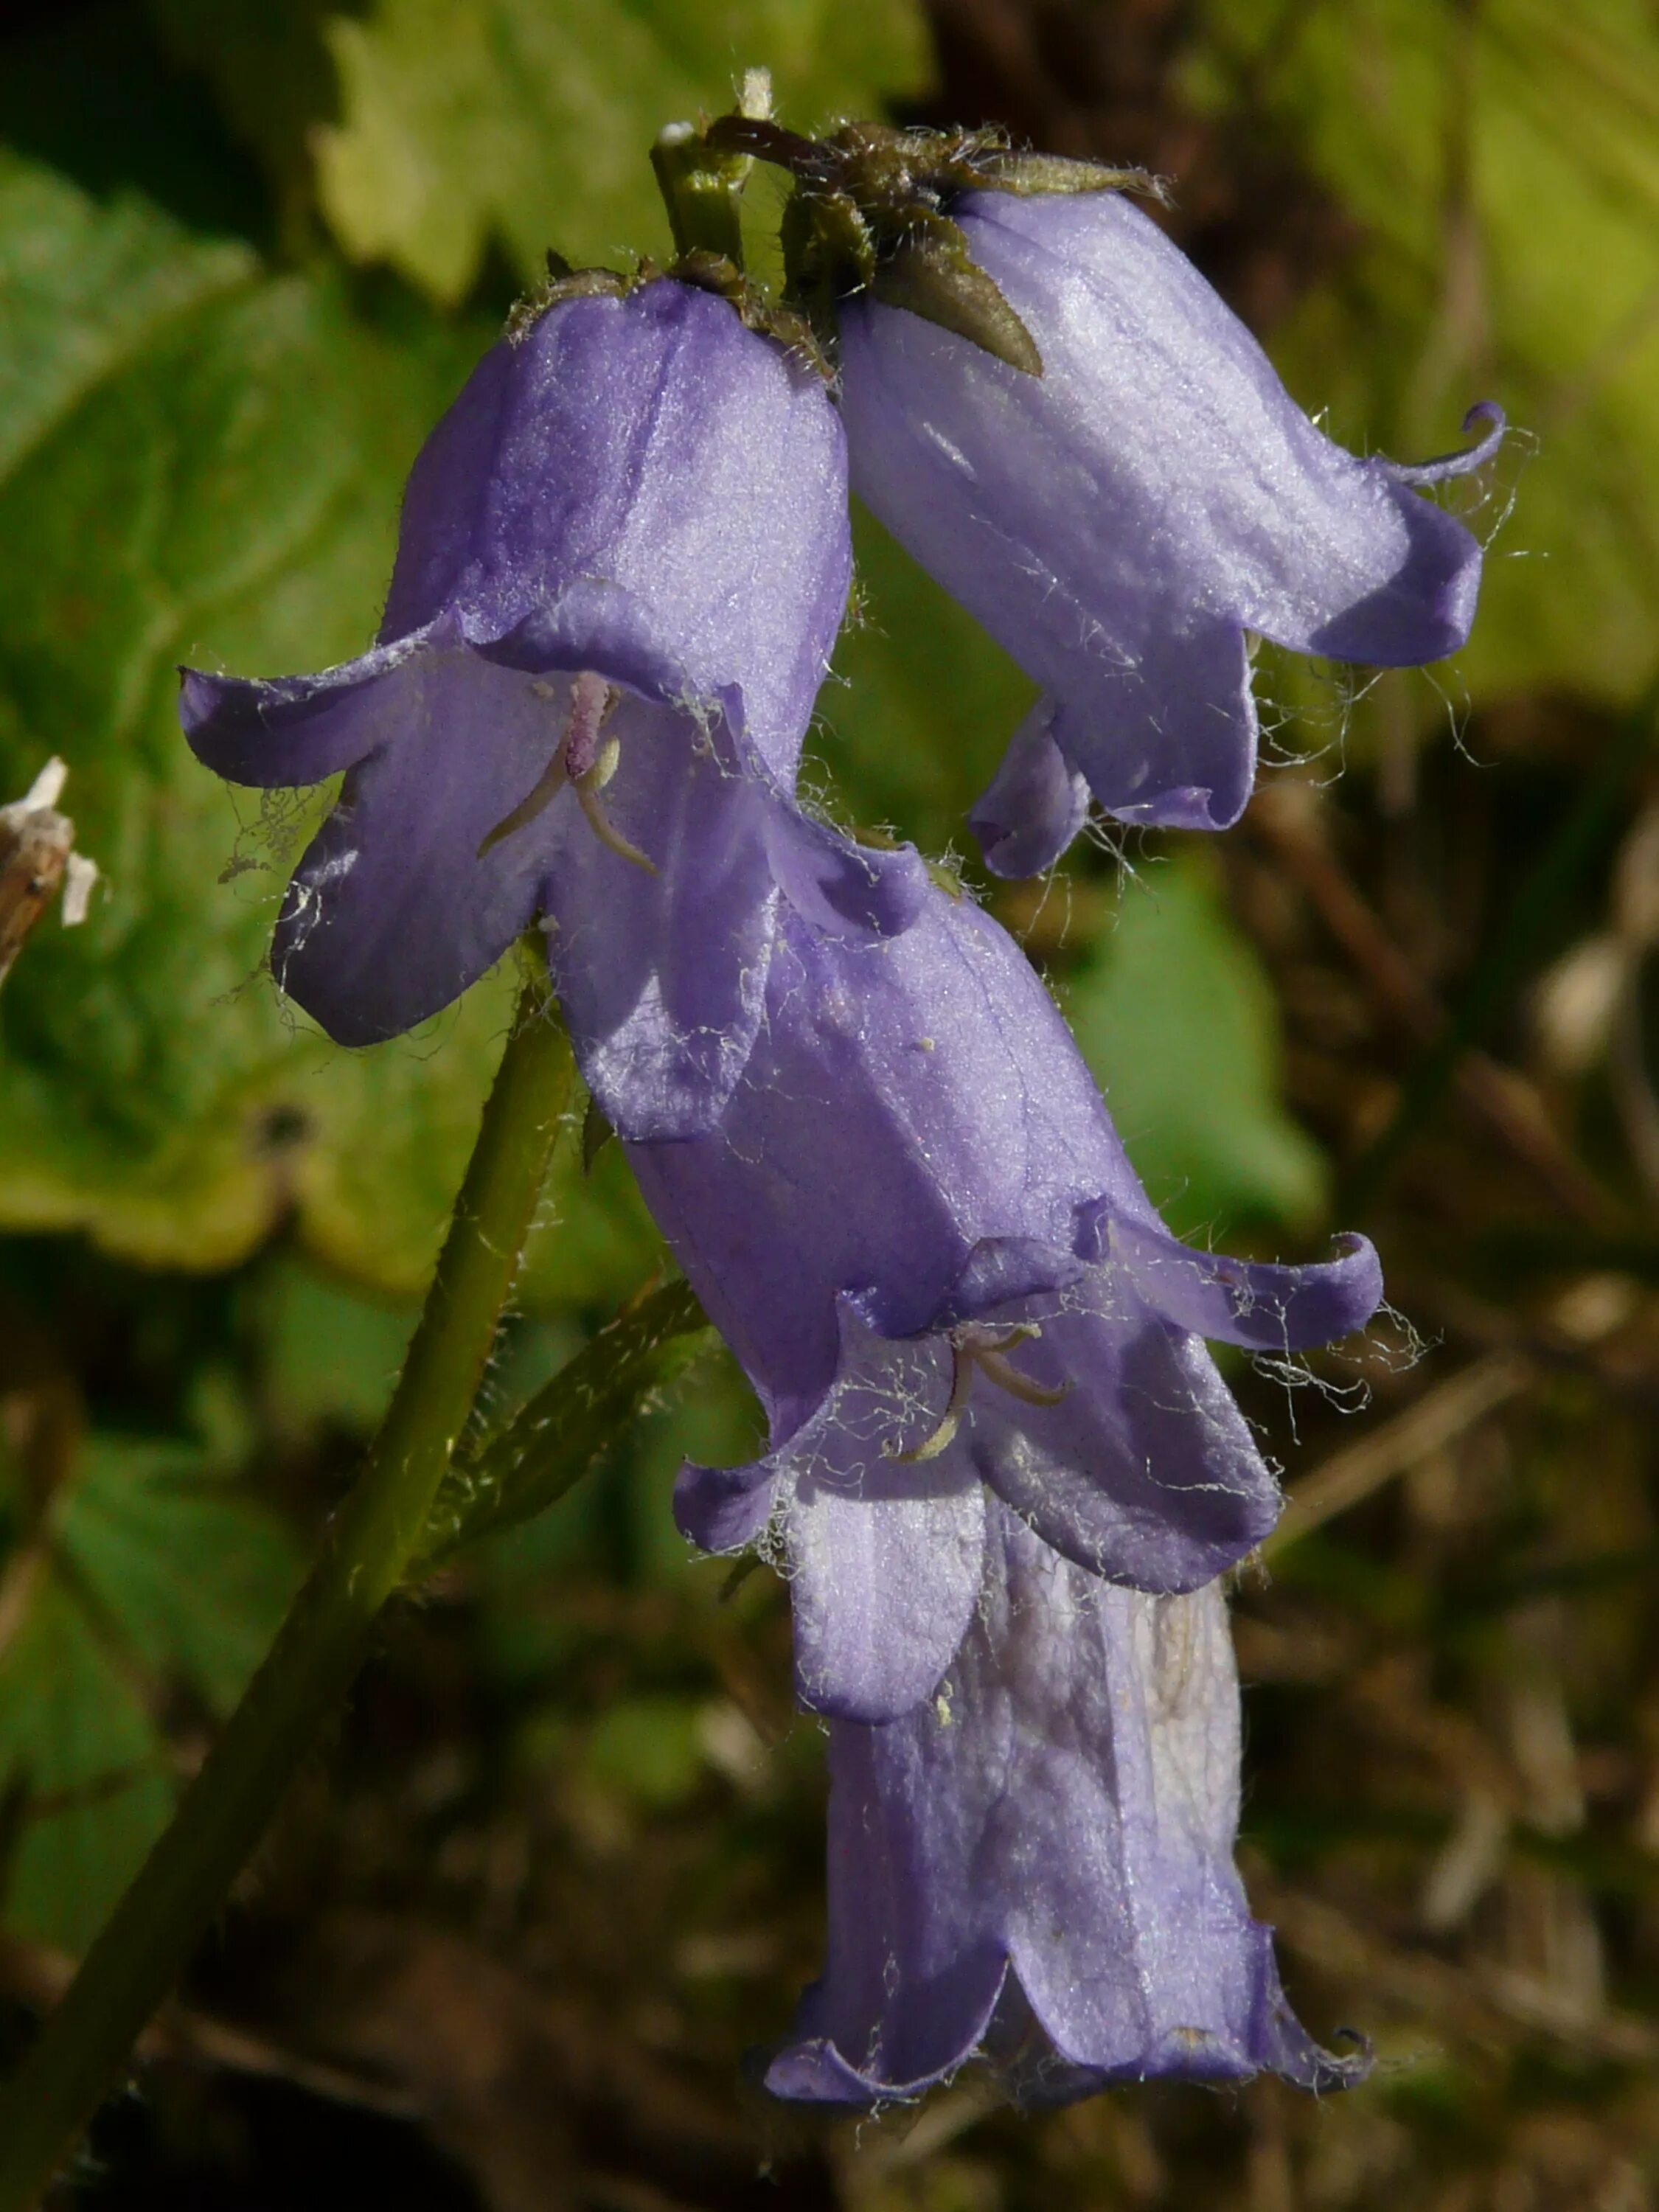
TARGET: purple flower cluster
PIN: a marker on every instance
(1004, 1472)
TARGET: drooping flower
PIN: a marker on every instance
(1035, 1864)
(622, 563)
(918, 1230)
(1123, 523)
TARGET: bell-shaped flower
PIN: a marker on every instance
(917, 1229)
(622, 561)
(1124, 523)
(1035, 1866)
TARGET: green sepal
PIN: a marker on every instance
(551, 1443)
(1032, 175)
(713, 272)
(869, 212)
(931, 275)
(565, 282)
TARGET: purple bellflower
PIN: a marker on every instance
(918, 1230)
(622, 563)
(1035, 1864)
(1124, 522)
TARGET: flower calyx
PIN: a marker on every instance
(700, 266)
(703, 183)
(756, 311)
(565, 282)
(871, 212)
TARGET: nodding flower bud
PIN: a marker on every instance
(622, 563)
(1123, 522)
(1035, 1865)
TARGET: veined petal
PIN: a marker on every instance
(661, 975)
(654, 444)
(724, 1509)
(883, 1582)
(1121, 522)
(1466, 462)
(594, 623)
(906, 1098)
(638, 489)
(1129, 1781)
(1263, 514)
(840, 887)
(1037, 1864)
(1166, 733)
(1423, 610)
(883, 1554)
(915, 1962)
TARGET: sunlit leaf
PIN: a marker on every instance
(1504, 161)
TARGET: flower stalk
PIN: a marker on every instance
(366, 1557)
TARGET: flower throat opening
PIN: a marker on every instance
(586, 759)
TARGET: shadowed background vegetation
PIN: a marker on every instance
(560, 1866)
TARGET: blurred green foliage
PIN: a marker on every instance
(1175, 1016)
(454, 125)
(247, 253)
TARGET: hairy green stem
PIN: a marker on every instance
(703, 191)
(366, 1554)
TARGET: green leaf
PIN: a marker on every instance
(78, 1746)
(329, 1355)
(1176, 1017)
(84, 290)
(592, 1401)
(200, 462)
(468, 120)
(155, 1573)
(192, 1575)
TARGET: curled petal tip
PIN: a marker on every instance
(1465, 464)
(723, 1508)
(1035, 804)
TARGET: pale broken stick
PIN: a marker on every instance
(37, 855)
